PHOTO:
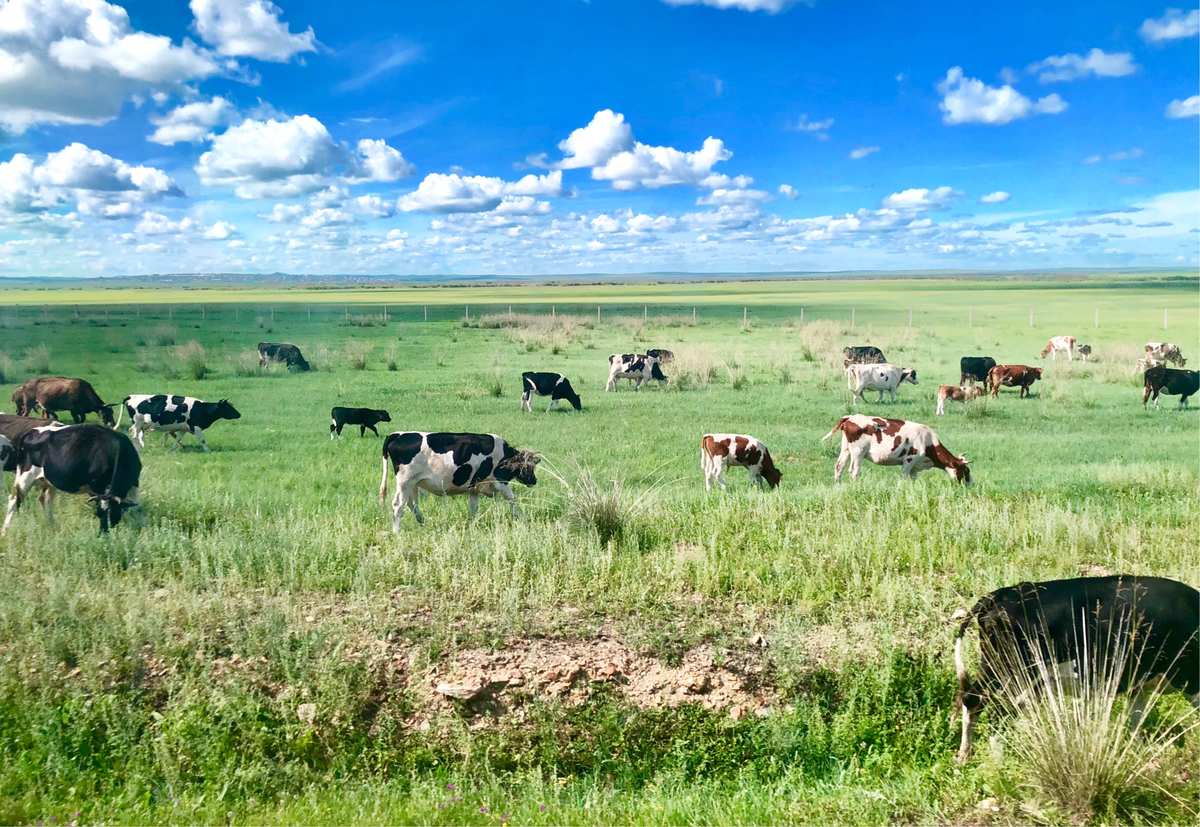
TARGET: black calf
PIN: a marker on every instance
(364, 418)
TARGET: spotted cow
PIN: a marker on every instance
(554, 385)
(637, 367)
(911, 445)
(175, 415)
(1165, 352)
(882, 378)
(284, 352)
(718, 451)
(956, 393)
(1057, 345)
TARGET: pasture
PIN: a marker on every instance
(264, 649)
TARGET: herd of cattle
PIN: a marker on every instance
(1041, 619)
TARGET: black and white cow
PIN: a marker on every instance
(364, 418)
(1152, 621)
(661, 354)
(447, 464)
(76, 459)
(637, 367)
(284, 352)
(862, 355)
(554, 385)
(174, 415)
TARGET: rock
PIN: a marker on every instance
(459, 691)
(307, 712)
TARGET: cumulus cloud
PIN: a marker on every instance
(858, 153)
(592, 145)
(1186, 108)
(818, 129)
(768, 6)
(249, 28)
(788, 191)
(997, 197)
(376, 161)
(918, 199)
(661, 166)
(192, 122)
(78, 61)
(1175, 24)
(220, 231)
(968, 100)
(1071, 66)
(454, 193)
(155, 223)
(723, 195)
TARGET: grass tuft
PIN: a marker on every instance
(37, 359)
(193, 359)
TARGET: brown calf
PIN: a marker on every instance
(1013, 376)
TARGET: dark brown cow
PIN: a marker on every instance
(1173, 382)
(60, 393)
(1013, 376)
(718, 451)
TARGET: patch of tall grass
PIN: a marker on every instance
(193, 359)
(37, 359)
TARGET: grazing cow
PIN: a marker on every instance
(77, 459)
(974, 368)
(718, 451)
(281, 352)
(59, 393)
(862, 355)
(1150, 626)
(661, 354)
(1013, 376)
(637, 367)
(1060, 344)
(1165, 352)
(174, 415)
(911, 445)
(881, 378)
(1085, 352)
(1171, 381)
(1144, 364)
(450, 465)
(364, 418)
(554, 385)
(955, 393)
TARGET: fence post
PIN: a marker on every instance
(1096, 318)
(853, 314)
(170, 311)
(553, 312)
(801, 314)
(510, 312)
(910, 318)
(467, 312)
(426, 308)
(272, 314)
(385, 315)
(309, 309)
(693, 314)
(1031, 317)
(1164, 318)
(597, 314)
(743, 314)
(645, 314)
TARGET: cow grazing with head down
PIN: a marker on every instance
(1084, 352)
(554, 385)
(1057, 345)
(862, 355)
(956, 393)
(718, 451)
(1013, 376)
(637, 367)
(911, 445)
(974, 368)
(175, 415)
(449, 464)
(76, 459)
(1150, 626)
(882, 378)
(364, 418)
(284, 352)
(1171, 381)
(661, 354)
(1165, 352)
(59, 393)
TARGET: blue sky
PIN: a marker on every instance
(560, 137)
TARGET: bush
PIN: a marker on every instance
(356, 353)
(193, 359)
(37, 359)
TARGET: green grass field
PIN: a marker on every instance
(265, 650)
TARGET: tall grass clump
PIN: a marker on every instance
(694, 367)
(193, 359)
(1078, 743)
(393, 358)
(357, 353)
(8, 369)
(37, 359)
(163, 335)
(611, 512)
(818, 342)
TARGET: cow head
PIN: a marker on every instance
(1037, 372)
(106, 415)
(518, 465)
(227, 411)
(572, 397)
(384, 416)
(908, 375)
(960, 470)
(110, 510)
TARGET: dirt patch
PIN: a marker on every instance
(485, 683)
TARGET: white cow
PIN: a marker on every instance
(1060, 344)
(1162, 352)
(636, 366)
(911, 445)
(879, 378)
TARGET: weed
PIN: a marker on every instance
(37, 359)
(193, 359)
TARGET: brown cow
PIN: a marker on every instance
(956, 393)
(1013, 376)
(60, 393)
(717, 451)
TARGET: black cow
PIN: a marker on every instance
(450, 465)
(282, 352)
(862, 355)
(661, 354)
(77, 459)
(1153, 622)
(175, 415)
(364, 418)
(974, 369)
(554, 385)
(1171, 381)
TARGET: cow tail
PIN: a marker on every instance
(121, 413)
(834, 429)
(383, 482)
(965, 617)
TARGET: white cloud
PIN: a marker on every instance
(919, 199)
(1121, 155)
(374, 206)
(818, 129)
(769, 6)
(376, 161)
(155, 223)
(642, 223)
(788, 191)
(220, 231)
(549, 184)
(1175, 24)
(78, 61)
(326, 217)
(192, 122)
(1187, 108)
(592, 145)
(861, 152)
(968, 100)
(283, 213)
(1073, 67)
(604, 224)
(997, 197)
(454, 193)
(661, 166)
(249, 28)
(734, 195)
(522, 205)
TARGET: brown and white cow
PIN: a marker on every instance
(911, 445)
(1013, 376)
(956, 393)
(1165, 352)
(719, 451)
(1060, 344)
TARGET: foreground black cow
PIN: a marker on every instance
(637, 367)
(661, 354)
(175, 415)
(974, 368)
(1154, 622)
(364, 418)
(12, 427)
(78, 459)
(862, 355)
(1171, 381)
(449, 465)
(60, 393)
(554, 385)
(282, 352)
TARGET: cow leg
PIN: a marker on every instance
(472, 505)
(525, 406)
(198, 433)
(553, 402)
(23, 481)
(506, 492)
(333, 429)
(968, 725)
(46, 498)
(372, 427)
(855, 464)
(840, 464)
(362, 431)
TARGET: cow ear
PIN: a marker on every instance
(963, 459)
